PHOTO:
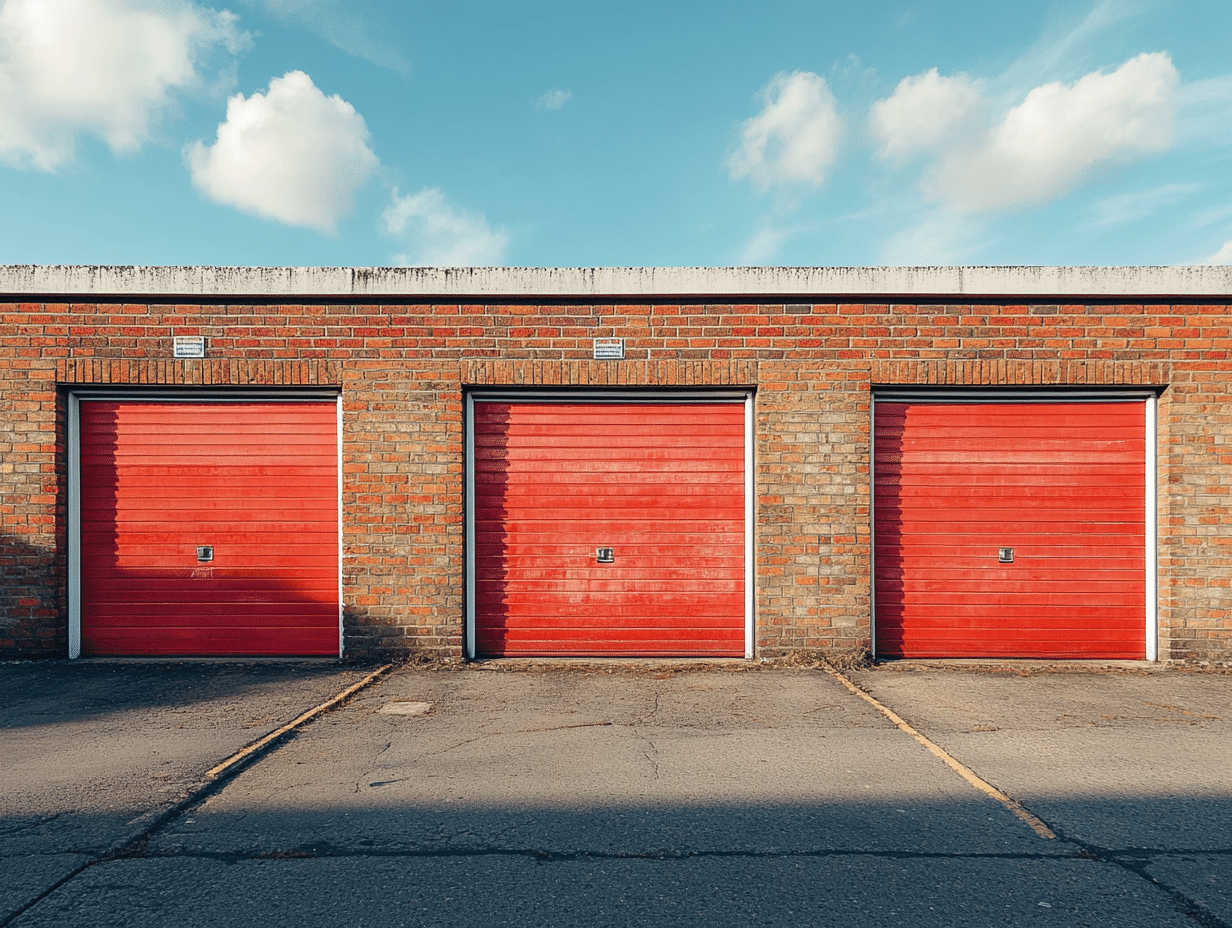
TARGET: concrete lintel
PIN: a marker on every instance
(88, 281)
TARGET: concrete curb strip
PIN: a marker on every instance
(241, 756)
(1032, 821)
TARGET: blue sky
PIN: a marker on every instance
(563, 134)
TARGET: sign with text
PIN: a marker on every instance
(609, 349)
(188, 346)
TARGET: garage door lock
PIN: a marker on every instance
(1005, 555)
(205, 554)
(605, 555)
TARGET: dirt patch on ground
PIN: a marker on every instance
(1035, 668)
(853, 659)
(645, 666)
(840, 659)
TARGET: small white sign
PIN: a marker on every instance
(188, 346)
(609, 349)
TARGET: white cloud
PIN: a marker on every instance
(553, 99)
(438, 234)
(362, 30)
(794, 139)
(1038, 149)
(1069, 38)
(1205, 112)
(100, 67)
(1131, 207)
(1222, 256)
(292, 154)
(765, 242)
(924, 112)
(940, 238)
(1207, 217)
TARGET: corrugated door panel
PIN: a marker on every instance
(1063, 484)
(661, 484)
(256, 481)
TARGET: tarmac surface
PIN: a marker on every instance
(635, 793)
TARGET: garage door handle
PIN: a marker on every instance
(605, 555)
(1005, 555)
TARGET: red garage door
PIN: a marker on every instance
(659, 487)
(209, 528)
(1059, 485)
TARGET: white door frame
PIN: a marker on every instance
(85, 394)
(1149, 398)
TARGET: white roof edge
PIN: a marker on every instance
(32, 280)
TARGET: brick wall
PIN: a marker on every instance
(402, 369)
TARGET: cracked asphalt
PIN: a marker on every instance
(641, 793)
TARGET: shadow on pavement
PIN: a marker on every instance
(54, 692)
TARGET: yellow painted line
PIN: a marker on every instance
(953, 763)
(296, 723)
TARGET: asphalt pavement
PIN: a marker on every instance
(93, 752)
(647, 793)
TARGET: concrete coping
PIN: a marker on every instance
(488, 283)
